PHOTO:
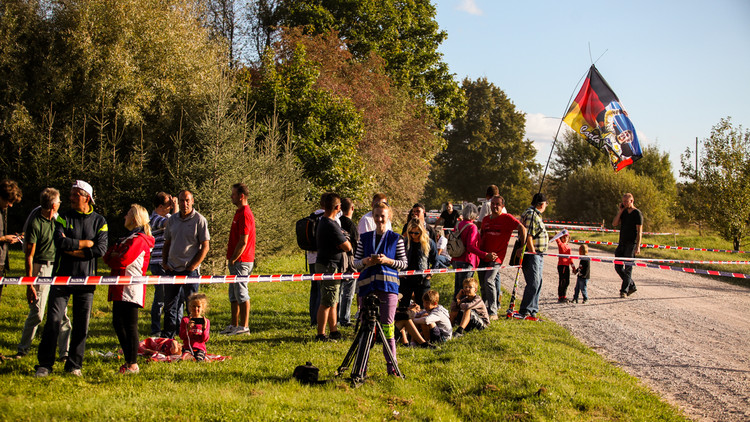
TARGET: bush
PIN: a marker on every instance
(593, 194)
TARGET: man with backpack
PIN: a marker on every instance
(307, 228)
(332, 244)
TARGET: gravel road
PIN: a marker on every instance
(685, 336)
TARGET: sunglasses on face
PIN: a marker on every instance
(415, 233)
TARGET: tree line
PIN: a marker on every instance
(138, 96)
(292, 97)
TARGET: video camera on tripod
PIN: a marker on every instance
(359, 352)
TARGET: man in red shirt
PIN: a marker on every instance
(495, 235)
(241, 257)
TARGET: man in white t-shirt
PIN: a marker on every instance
(366, 223)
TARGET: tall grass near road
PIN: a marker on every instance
(514, 370)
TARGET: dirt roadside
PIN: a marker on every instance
(685, 336)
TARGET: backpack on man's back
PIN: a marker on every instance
(306, 227)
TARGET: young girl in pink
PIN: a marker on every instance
(563, 267)
(194, 330)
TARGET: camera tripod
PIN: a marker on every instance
(359, 352)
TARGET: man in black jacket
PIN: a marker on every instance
(80, 238)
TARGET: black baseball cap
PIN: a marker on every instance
(538, 199)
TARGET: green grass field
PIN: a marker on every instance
(513, 371)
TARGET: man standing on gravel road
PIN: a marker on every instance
(630, 241)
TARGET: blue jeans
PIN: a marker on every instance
(532, 273)
(314, 297)
(442, 261)
(175, 296)
(346, 296)
(498, 286)
(158, 304)
(83, 299)
(625, 250)
(489, 288)
(581, 287)
(458, 282)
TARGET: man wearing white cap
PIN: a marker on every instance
(80, 238)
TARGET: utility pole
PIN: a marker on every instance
(696, 158)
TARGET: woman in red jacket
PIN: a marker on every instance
(129, 257)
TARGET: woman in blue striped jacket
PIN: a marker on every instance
(380, 255)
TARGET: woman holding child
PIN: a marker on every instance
(129, 256)
(380, 255)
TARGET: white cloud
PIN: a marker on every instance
(541, 130)
(470, 7)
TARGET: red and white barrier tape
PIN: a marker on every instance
(212, 279)
(646, 245)
(632, 263)
(600, 229)
(588, 223)
(671, 261)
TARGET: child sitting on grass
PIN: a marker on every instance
(584, 273)
(194, 330)
(405, 325)
(156, 345)
(434, 321)
(467, 309)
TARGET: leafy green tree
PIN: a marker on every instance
(593, 194)
(572, 152)
(404, 33)
(720, 187)
(485, 146)
(229, 148)
(98, 89)
(657, 166)
(398, 139)
(326, 127)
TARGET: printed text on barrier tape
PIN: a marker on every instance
(213, 279)
(645, 245)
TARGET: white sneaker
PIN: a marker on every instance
(240, 330)
(228, 330)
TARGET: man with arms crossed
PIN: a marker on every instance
(80, 238)
(331, 245)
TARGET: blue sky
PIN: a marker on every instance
(678, 67)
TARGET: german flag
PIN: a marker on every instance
(597, 115)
